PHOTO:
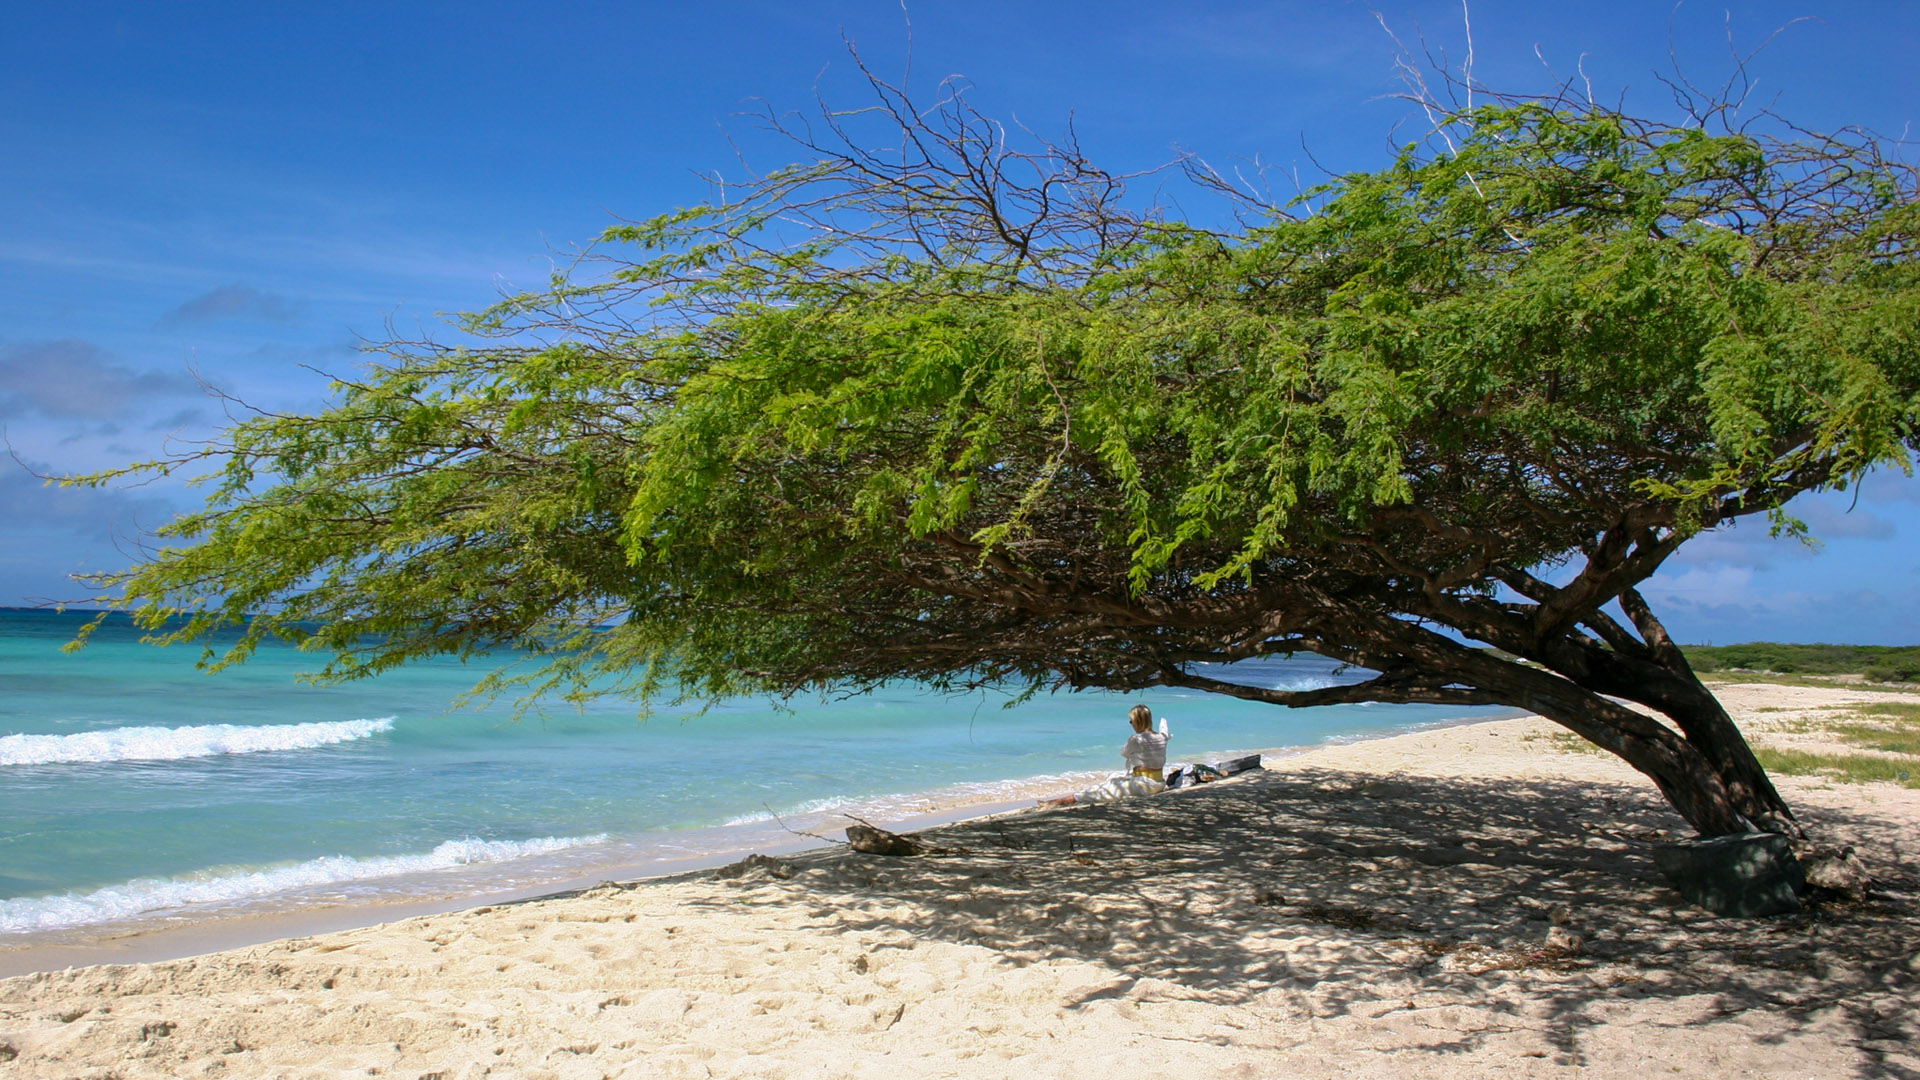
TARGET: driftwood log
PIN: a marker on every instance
(878, 841)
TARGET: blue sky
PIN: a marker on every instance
(238, 194)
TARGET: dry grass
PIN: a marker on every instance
(1564, 741)
(1846, 768)
(1890, 730)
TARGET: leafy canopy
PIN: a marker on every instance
(980, 422)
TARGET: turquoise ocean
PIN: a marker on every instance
(137, 790)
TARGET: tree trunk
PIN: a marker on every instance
(1707, 725)
(1691, 782)
(1688, 777)
(1713, 732)
(1661, 679)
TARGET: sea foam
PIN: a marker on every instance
(143, 895)
(171, 744)
(1297, 683)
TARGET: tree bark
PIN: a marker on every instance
(1648, 670)
(1690, 779)
(1658, 676)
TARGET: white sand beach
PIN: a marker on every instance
(1462, 902)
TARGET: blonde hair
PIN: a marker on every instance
(1140, 716)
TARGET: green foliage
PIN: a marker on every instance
(1904, 667)
(1824, 681)
(985, 443)
(1881, 663)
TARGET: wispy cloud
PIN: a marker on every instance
(1725, 605)
(1889, 485)
(1841, 523)
(92, 432)
(1828, 516)
(75, 380)
(30, 505)
(242, 302)
(190, 416)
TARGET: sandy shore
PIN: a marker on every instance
(1462, 902)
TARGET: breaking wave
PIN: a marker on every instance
(172, 744)
(143, 895)
(1305, 682)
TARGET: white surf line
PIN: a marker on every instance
(172, 744)
(143, 895)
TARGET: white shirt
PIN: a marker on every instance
(1147, 749)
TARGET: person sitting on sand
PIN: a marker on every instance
(1146, 751)
(1146, 756)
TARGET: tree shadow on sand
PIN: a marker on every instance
(1349, 893)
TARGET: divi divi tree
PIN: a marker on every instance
(928, 405)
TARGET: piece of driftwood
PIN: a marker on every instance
(877, 841)
(756, 864)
